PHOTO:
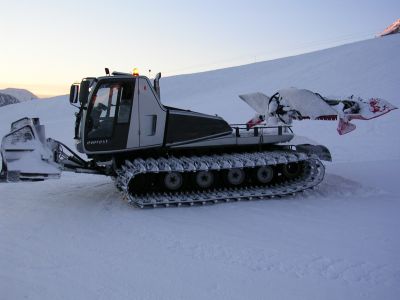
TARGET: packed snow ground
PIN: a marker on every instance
(74, 238)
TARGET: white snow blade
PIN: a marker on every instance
(257, 101)
(26, 155)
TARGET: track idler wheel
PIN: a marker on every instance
(236, 176)
(292, 170)
(204, 179)
(265, 174)
(173, 181)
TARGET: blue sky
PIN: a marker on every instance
(46, 45)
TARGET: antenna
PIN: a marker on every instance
(107, 71)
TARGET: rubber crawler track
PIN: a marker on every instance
(312, 175)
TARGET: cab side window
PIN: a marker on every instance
(125, 105)
(111, 101)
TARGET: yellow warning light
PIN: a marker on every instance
(135, 72)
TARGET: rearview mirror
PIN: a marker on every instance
(84, 91)
(73, 93)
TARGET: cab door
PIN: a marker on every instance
(109, 115)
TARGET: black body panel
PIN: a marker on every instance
(188, 126)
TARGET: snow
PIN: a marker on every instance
(75, 238)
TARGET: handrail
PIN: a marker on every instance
(256, 129)
(264, 126)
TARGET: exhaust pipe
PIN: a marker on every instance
(157, 85)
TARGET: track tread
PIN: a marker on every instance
(311, 177)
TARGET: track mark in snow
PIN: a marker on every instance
(335, 186)
(260, 260)
(340, 269)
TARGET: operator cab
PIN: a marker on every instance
(123, 113)
(118, 113)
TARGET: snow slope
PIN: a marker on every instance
(368, 69)
(75, 238)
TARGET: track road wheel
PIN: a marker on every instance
(173, 181)
(291, 170)
(204, 179)
(264, 174)
(236, 176)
